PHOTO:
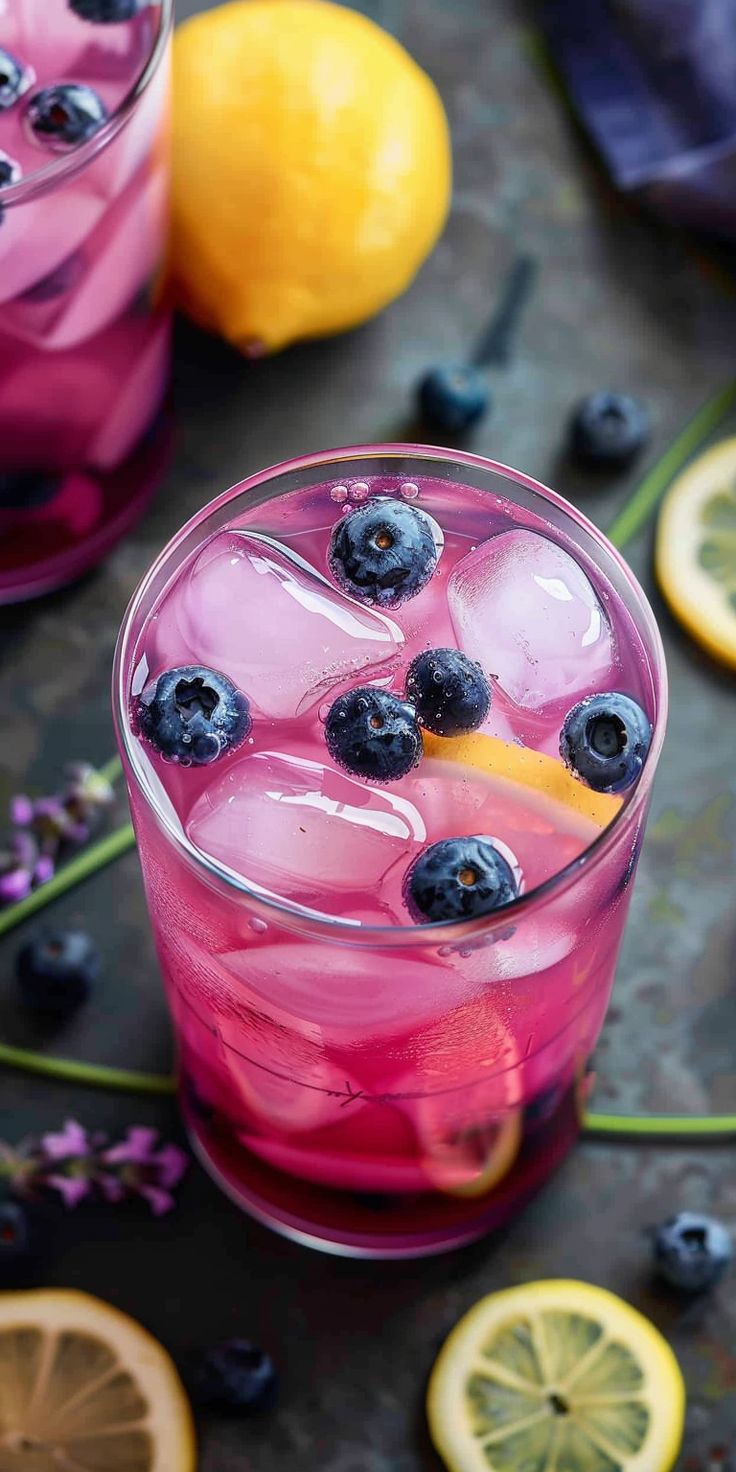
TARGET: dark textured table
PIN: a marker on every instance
(618, 301)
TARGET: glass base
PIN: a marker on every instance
(351, 1224)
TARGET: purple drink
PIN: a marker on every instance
(84, 331)
(344, 1044)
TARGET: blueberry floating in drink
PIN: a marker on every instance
(449, 692)
(459, 879)
(692, 1251)
(605, 740)
(384, 552)
(194, 715)
(106, 12)
(607, 430)
(65, 115)
(374, 734)
(14, 79)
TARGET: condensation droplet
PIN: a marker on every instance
(410, 490)
(259, 926)
(445, 951)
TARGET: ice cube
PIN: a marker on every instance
(524, 608)
(305, 831)
(256, 610)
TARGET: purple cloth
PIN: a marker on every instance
(654, 82)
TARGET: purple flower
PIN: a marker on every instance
(72, 1140)
(145, 1170)
(137, 1147)
(21, 810)
(15, 884)
(43, 870)
(73, 1189)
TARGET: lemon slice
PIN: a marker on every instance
(83, 1388)
(528, 768)
(695, 554)
(471, 1161)
(552, 1376)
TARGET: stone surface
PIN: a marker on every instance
(618, 302)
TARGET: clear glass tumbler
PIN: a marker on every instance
(371, 1089)
(84, 324)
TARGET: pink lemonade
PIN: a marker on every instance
(364, 1065)
(84, 332)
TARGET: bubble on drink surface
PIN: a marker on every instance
(257, 925)
(339, 494)
(409, 490)
(526, 609)
(256, 610)
(360, 491)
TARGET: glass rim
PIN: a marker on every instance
(64, 165)
(334, 926)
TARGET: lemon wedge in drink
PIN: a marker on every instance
(84, 1386)
(556, 1374)
(528, 768)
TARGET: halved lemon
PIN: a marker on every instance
(84, 1387)
(523, 765)
(695, 555)
(556, 1375)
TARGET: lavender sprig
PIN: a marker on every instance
(79, 1163)
(45, 830)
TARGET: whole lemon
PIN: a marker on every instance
(311, 170)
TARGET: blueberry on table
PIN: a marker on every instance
(383, 552)
(15, 1237)
(56, 972)
(65, 115)
(106, 12)
(194, 715)
(14, 79)
(459, 879)
(373, 734)
(450, 693)
(608, 429)
(453, 396)
(237, 1377)
(692, 1252)
(605, 740)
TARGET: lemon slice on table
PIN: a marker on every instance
(695, 554)
(85, 1388)
(556, 1375)
(528, 768)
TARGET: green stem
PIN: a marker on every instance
(661, 1126)
(642, 503)
(95, 1074)
(111, 770)
(82, 867)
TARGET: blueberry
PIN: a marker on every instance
(65, 115)
(194, 715)
(383, 552)
(449, 691)
(374, 734)
(106, 11)
(15, 1235)
(24, 490)
(459, 879)
(237, 1377)
(691, 1251)
(14, 79)
(9, 174)
(605, 740)
(608, 429)
(453, 396)
(56, 971)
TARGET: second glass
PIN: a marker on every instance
(84, 327)
(367, 1086)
